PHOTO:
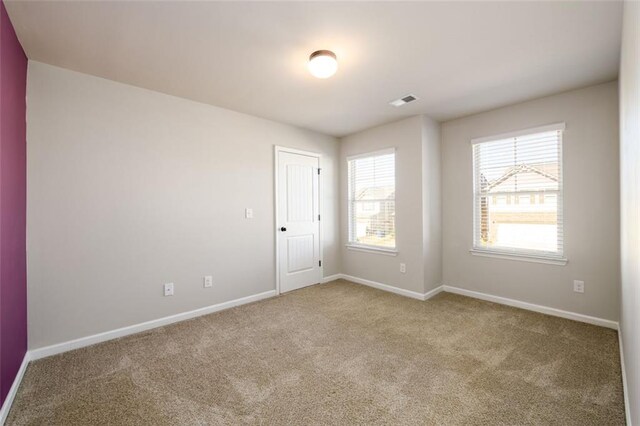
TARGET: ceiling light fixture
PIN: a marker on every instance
(323, 63)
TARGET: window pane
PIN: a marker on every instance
(521, 224)
(372, 200)
(518, 193)
(374, 223)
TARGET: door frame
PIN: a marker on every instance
(276, 153)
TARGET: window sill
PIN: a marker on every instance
(520, 257)
(370, 249)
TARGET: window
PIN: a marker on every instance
(519, 167)
(372, 200)
(368, 207)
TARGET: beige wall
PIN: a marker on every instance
(630, 202)
(417, 142)
(431, 203)
(129, 189)
(405, 137)
(591, 204)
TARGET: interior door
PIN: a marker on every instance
(298, 220)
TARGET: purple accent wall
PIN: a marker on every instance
(13, 156)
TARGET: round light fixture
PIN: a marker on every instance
(323, 63)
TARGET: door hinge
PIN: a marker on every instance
(318, 217)
(319, 262)
(319, 170)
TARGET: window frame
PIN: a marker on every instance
(370, 248)
(519, 254)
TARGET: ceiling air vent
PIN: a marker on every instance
(404, 100)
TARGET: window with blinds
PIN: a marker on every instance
(372, 200)
(518, 193)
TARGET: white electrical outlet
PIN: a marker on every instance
(403, 268)
(248, 213)
(208, 281)
(578, 286)
(168, 289)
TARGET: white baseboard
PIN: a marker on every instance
(8, 402)
(392, 289)
(625, 390)
(532, 307)
(331, 278)
(137, 328)
(483, 296)
(428, 295)
(385, 287)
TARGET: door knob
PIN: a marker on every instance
(283, 229)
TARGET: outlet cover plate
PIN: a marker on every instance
(168, 289)
(208, 281)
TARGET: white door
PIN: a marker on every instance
(298, 222)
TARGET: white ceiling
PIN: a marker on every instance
(458, 57)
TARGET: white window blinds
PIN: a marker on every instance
(518, 192)
(372, 199)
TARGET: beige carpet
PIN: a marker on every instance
(338, 353)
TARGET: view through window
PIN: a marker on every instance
(518, 193)
(372, 200)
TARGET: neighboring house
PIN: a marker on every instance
(523, 194)
(375, 212)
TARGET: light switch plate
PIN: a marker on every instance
(248, 213)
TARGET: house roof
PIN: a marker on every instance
(376, 193)
(525, 177)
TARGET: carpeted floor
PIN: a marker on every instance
(338, 353)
